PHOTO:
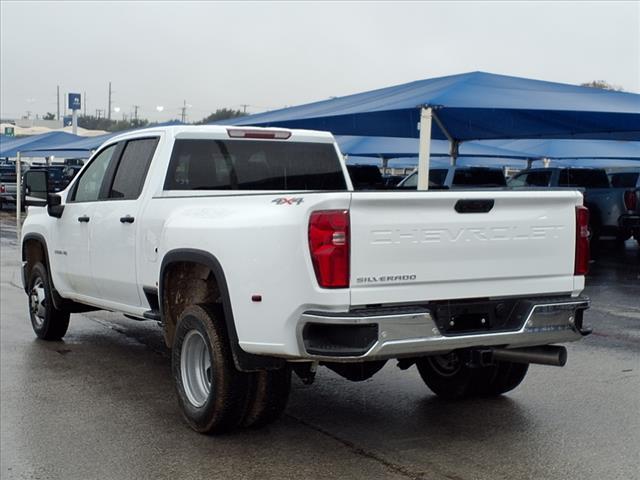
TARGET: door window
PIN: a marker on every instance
(531, 179)
(89, 184)
(132, 169)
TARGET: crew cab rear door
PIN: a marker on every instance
(436, 245)
(114, 224)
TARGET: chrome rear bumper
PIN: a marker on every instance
(416, 333)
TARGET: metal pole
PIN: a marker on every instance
(454, 148)
(425, 147)
(74, 121)
(109, 106)
(18, 195)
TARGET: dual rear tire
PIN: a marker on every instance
(450, 377)
(215, 396)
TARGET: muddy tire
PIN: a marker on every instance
(212, 393)
(48, 322)
(268, 396)
(446, 375)
(507, 376)
(449, 377)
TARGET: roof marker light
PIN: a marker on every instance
(262, 134)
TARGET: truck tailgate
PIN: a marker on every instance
(417, 246)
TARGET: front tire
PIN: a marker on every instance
(212, 393)
(449, 377)
(48, 322)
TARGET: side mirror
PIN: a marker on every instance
(35, 188)
(36, 192)
(54, 205)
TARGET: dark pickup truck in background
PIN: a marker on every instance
(629, 183)
(605, 204)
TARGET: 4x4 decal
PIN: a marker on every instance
(288, 200)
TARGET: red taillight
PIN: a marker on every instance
(262, 134)
(2, 188)
(630, 200)
(582, 241)
(329, 246)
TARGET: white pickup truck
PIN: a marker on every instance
(251, 249)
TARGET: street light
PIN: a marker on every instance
(116, 109)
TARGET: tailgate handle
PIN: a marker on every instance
(474, 206)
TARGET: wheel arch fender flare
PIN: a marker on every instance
(244, 361)
(57, 299)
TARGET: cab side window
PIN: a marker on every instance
(132, 169)
(89, 184)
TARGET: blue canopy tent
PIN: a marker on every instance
(10, 148)
(470, 106)
(83, 146)
(572, 149)
(605, 153)
(393, 147)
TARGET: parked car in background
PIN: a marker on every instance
(7, 184)
(629, 221)
(366, 177)
(605, 204)
(391, 181)
(59, 175)
(459, 177)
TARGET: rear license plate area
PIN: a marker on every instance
(455, 318)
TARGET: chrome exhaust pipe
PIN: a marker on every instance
(546, 355)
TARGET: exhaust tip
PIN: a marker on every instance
(546, 355)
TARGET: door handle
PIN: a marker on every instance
(83, 219)
(474, 206)
(127, 219)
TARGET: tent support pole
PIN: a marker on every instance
(426, 114)
(18, 195)
(385, 164)
(454, 145)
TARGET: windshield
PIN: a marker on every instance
(437, 177)
(583, 178)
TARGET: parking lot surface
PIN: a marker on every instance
(100, 404)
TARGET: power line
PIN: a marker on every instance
(109, 110)
(183, 115)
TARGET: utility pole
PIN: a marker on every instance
(183, 115)
(109, 111)
(244, 107)
(98, 112)
(84, 104)
(58, 104)
(135, 112)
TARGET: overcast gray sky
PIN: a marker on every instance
(272, 54)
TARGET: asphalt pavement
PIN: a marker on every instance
(101, 405)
